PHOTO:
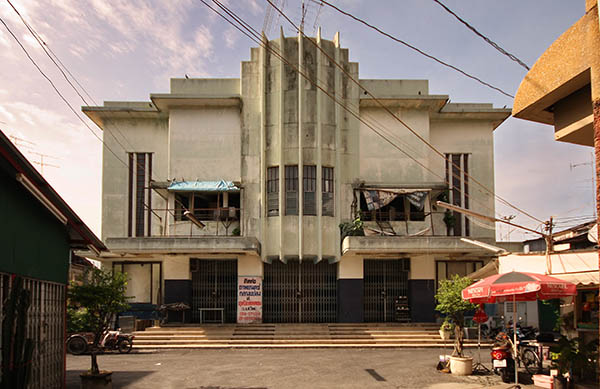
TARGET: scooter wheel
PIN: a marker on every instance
(506, 376)
(125, 346)
(77, 345)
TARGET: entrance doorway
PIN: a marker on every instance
(214, 285)
(300, 292)
(385, 281)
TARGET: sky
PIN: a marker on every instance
(127, 49)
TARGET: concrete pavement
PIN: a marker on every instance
(280, 368)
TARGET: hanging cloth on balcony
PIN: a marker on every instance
(203, 186)
(379, 198)
(417, 199)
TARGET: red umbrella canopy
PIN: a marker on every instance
(523, 286)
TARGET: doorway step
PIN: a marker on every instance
(295, 336)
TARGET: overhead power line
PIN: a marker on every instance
(383, 106)
(63, 98)
(62, 69)
(54, 87)
(261, 40)
(485, 38)
(412, 47)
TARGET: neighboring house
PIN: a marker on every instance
(563, 89)
(247, 181)
(37, 235)
(78, 266)
(563, 86)
(574, 259)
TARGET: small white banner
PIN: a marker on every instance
(249, 309)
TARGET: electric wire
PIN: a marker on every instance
(71, 108)
(56, 89)
(260, 41)
(47, 51)
(397, 118)
(412, 47)
(46, 48)
(485, 38)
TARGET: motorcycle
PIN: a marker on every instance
(78, 344)
(503, 361)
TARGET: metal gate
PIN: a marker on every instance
(45, 327)
(300, 292)
(214, 285)
(384, 281)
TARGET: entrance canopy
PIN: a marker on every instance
(203, 186)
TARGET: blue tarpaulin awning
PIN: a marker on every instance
(203, 186)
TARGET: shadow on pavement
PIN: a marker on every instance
(120, 379)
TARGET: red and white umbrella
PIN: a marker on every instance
(517, 286)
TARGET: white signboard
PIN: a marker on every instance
(249, 309)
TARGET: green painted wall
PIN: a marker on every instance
(33, 242)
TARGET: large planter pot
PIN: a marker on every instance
(96, 381)
(461, 365)
(445, 335)
(560, 382)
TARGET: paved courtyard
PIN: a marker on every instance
(280, 368)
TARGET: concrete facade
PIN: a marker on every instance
(278, 137)
(563, 86)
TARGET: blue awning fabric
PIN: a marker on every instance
(203, 186)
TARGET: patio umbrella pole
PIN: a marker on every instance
(515, 340)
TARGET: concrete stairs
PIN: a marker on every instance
(294, 336)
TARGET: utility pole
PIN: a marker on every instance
(549, 244)
(548, 224)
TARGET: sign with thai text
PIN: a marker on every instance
(249, 309)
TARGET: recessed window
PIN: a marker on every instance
(457, 178)
(291, 190)
(327, 191)
(273, 191)
(309, 187)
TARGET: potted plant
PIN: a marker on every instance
(352, 228)
(449, 219)
(446, 329)
(573, 358)
(102, 294)
(450, 302)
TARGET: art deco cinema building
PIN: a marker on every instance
(248, 179)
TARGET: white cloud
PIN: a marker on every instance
(30, 40)
(5, 115)
(231, 36)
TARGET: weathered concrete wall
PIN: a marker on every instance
(205, 86)
(351, 267)
(473, 137)
(298, 125)
(176, 268)
(381, 162)
(142, 136)
(422, 267)
(205, 144)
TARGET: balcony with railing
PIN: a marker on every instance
(200, 217)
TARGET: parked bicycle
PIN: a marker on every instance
(529, 356)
